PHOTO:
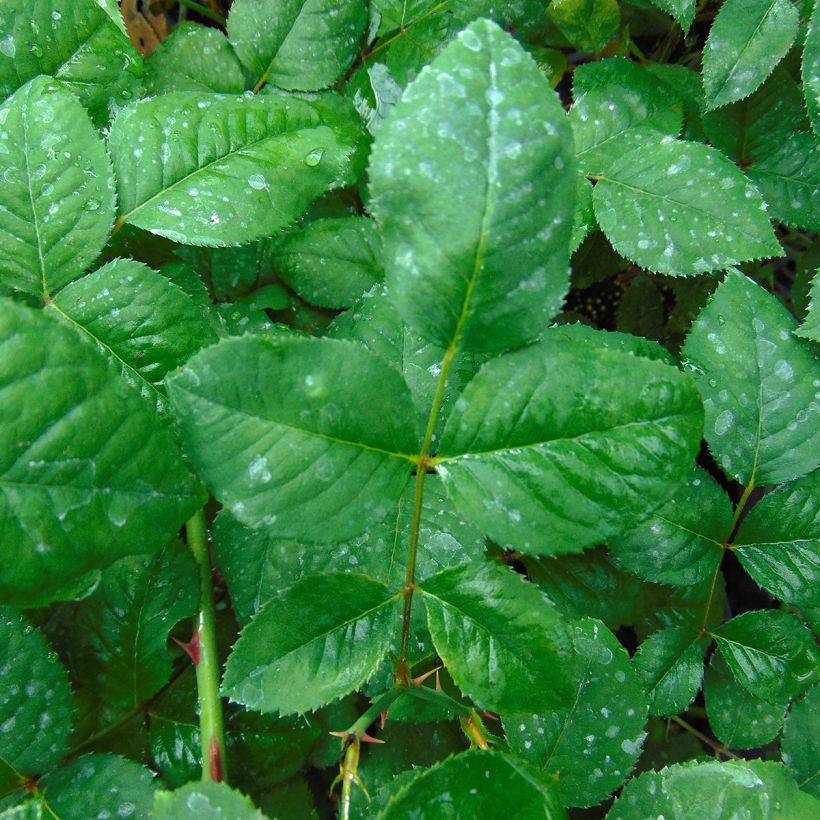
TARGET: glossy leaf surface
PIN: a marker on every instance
(532, 426)
(801, 739)
(88, 473)
(57, 197)
(204, 801)
(499, 637)
(312, 643)
(314, 433)
(475, 250)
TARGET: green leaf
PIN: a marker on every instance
(499, 637)
(75, 42)
(532, 426)
(682, 10)
(35, 702)
(475, 253)
(618, 106)
(302, 45)
(139, 318)
(122, 628)
(713, 791)
(331, 262)
(800, 741)
(194, 58)
(584, 220)
(204, 801)
(592, 744)
(100, 784)
(747, 40)
(257, 564)
(682, 208)
(756, 380)
(88, 472)
(312, 643)
(30, 810)
(198, 169)
(738, 718)
(588, 24)
(681, 543)
(810, 329)
(670, 665)
(778, 543)
(810, 69)
(57, 197)
(770, 653)
(476, 784)
(176, 746)
(313, 433)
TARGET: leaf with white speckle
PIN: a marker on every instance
(682, 208)
(214, 170)
(472, 181)
(759, 384)
(747, 40)
(204, 801)
(592, 744)
(778, 542)
(35, 702)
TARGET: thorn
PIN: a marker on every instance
(421, 678)
(366, 738)
(383, 719)
(489, 715)
(192, 648)
(438, 682)
(215, 760)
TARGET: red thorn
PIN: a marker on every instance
(383, 717)
(215, 760)
(192, 648)
(421, 678)
(438, 683)
(366, 738)
(489, 715)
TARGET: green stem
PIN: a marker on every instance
(439, 698)
(741, 506)
(203, 10)
(703, 738)
(206, 659)
(415, 524)
(381, 704)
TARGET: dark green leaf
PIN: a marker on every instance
(204, 801)
(35, 702)
(810, 69)
(499, 637)
(99, 785)
(140, 319)
(319, 441)
(88, 472)
(591, 745)
(57, 197)
(670, 665)
(682, 10)
(331, 262)
(801, 738)
(713, 791)
(588, 24)
(312, 643)
(747, 40)
(476, 253)
(757, 382)
(75, 42)
(303, 45)
(682, 543)
(194, 58)
(532, 426)
(770, 653)
(199, 168)
(779, 542)
(682, 208)
(738, 718)
(810, 329)
(476, 784)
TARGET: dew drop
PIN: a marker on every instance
(314, 157)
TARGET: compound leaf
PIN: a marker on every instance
(534, 425)
(75, 42)
(35, 702)
(499, 637)
(756, 380)
(682, 208)
(747, 40)
(198, 169)
(88, 472)
(475, 252)
(302, 45)
(311, 643)
(57, 197)
(605, 722)
(314, 434)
